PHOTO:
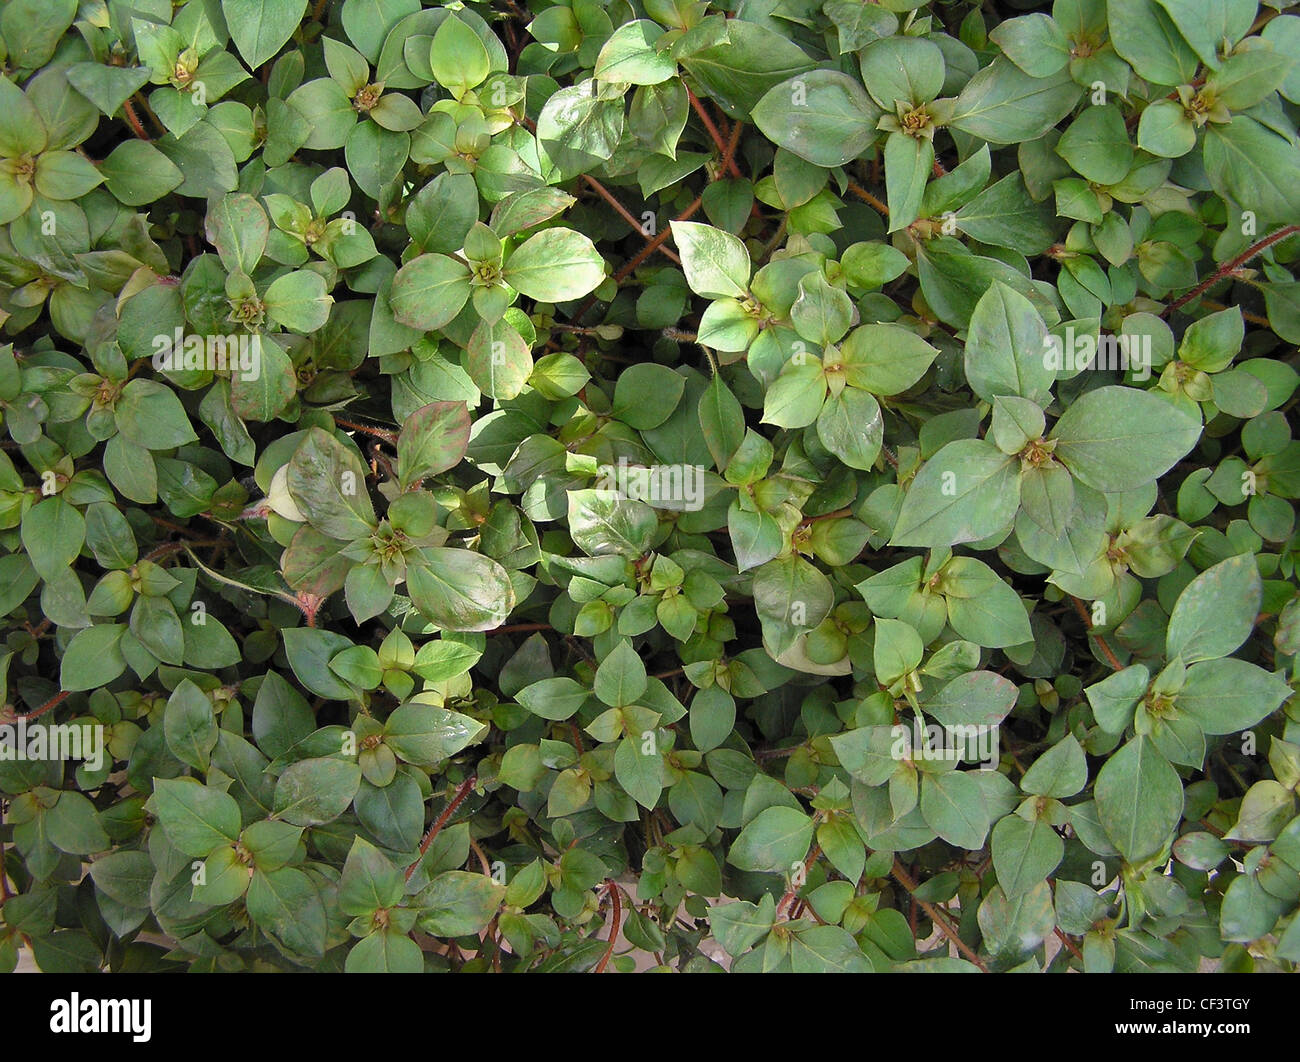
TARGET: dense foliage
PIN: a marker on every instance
(786, 485)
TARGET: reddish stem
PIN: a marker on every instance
(614, 923)
(937, 917)
(379, 433)
(134, 120)
(1074, 950)
(728, 162)
(54, 702)
(462, 791)
(1111, 658)
(1230, 267)
(625, 214)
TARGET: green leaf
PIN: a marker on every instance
(425, 735)
(1059, 772)
(794, 400)
(299, 301)
(1216, 611)
(953, 805)
(827, 949)
(1097, 145)
(310, 650)
(285, 903)
(1139, 799)
(638, 772)
(885, 359)
(32, 30)
(368, 22)
(1006, 348)
(823, 116)
(136, 173)
(1024, 853)
(439, 661)
(196, 818)
(73, 825)
(190, 725)
(630, 56)
(328, 484)
(1035, 43)
(715, 262)
(908, 161)
(621, 677)
(124, 876)
(1015, 926)
(1144, 35)
(1250, 165)
(458, 58)
(981, 607)
(968, 491)
(53, 533)
(260, 28)
(1004, 105)
(1120, 438)
(1228, 696)
(740, 925)
(315, 791)
(752, 59)
(851, 427)
(1006, 216)
(977, 698)
(646, 395)
(603, 522)
(93, 658)
(555, 265)
(1165, 130)
(460, 590)
(433, 439)
(457, 903)
(555, 698)
(386, 951)
(775, 840)
(429, 290)
(150, 415)
(722, 420)
(238, 228)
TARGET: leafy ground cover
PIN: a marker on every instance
(806, 484)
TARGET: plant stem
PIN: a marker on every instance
(462, 791)
(626, 215)
(728, 160)
(1111, 658)
(134, 120)
(379, 433)
(53, 702)
(867, 197)
(615, 923)
(937, 917)
(1231, 266)
(1074, 950)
